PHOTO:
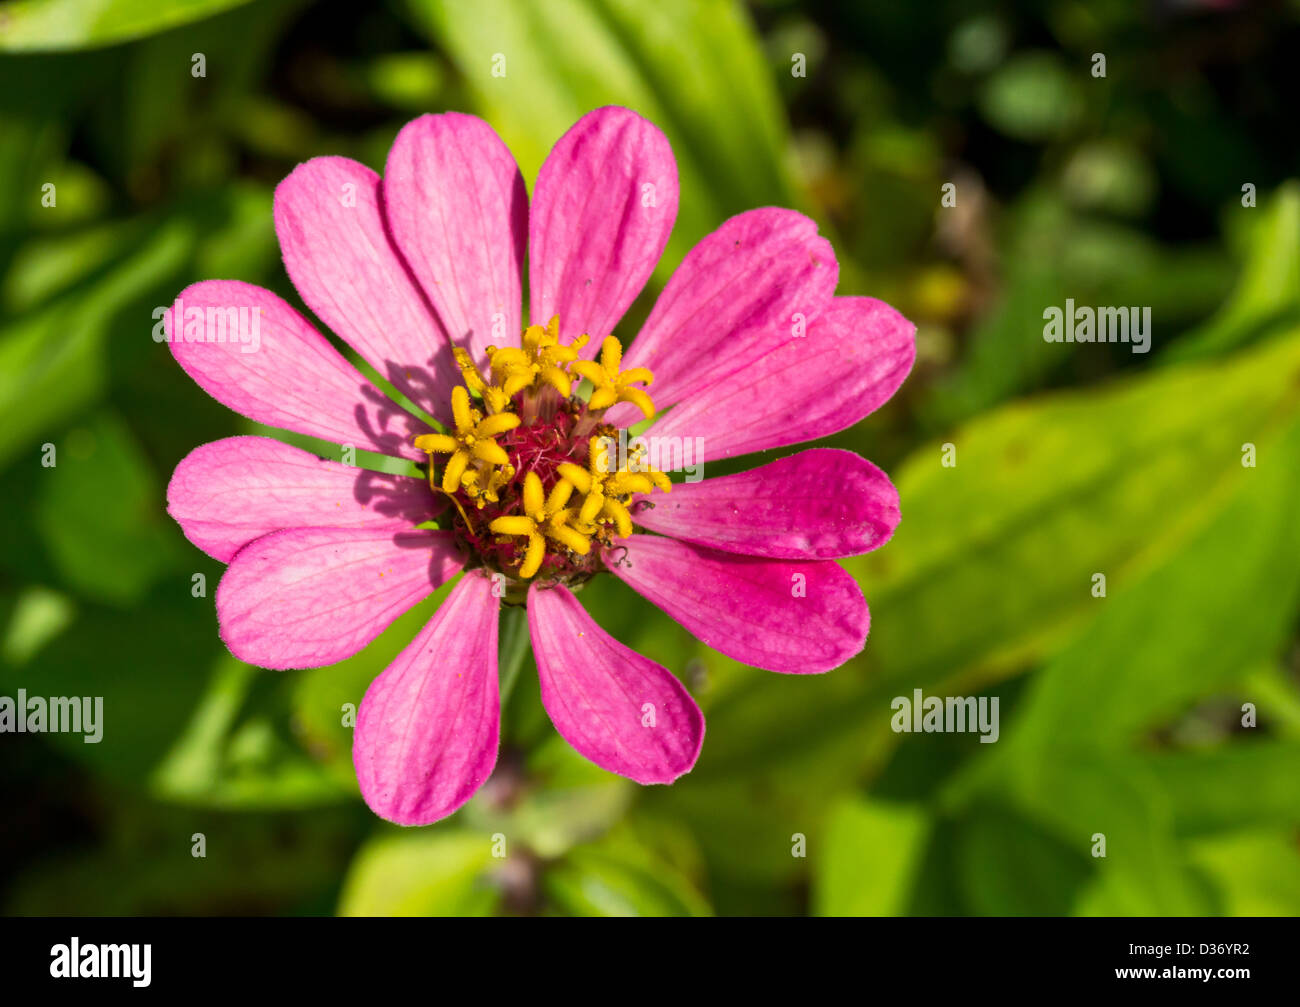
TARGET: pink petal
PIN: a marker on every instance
(289, 376)
(306, 597)
(230, 492)
(773, 614)
(852, 359)
(427, 731)
(817, 504)
(593, 239)
(458, 210)
(736, 293)
(620, 710)
(339, 256)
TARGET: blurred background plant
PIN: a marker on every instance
(1119, 715)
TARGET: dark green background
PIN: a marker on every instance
(1119, 715)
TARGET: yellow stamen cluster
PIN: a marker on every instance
(584, 504)
(609, 385)
(544, 517)
(474, 441)
(607, 493)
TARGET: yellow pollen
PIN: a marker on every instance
(585, 504)
(609, 386)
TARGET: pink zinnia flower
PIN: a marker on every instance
(420, 273)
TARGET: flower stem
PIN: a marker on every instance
(514, 647)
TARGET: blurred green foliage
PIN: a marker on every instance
(1121, 714)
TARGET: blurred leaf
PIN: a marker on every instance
(1234, 786)
(1009, 866)
(431, 873)
(1269, 287)
(98, 513)
(1143, 872)
(231, 757)
(618, 876)
(84, 24)
(1225, 602)
(39, 615)
(143, 864)
(1258, 872)
(53, 360)
(869, 859)
(1033, 96)
(1112, 480)
(141, 663)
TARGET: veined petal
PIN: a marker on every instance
(603, 207)
(738, 291)
(337, 252)
(458, 209)
(307, 597)
(232, 491)
(784, 616)
(818, 504)
(428, 728)
(287, 375)
(853, 357)
(622, 711)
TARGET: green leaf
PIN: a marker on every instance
(429, 873)
(87, 24)
(1258, 873)
(1269, 286)
(53, 361)
(231, 754)
(1200, 622)
(1236, 785)
(141, 663)
(621, 876)
(1112, 481)
(1010, 866)
(1033, 96)
(869, 859)
(98, 513)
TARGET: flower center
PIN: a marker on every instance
(531, 467)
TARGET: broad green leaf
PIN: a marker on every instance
(232, 756)
(1200, 622)
(867, 859)
(620, 876)
(86, 24)
(1269, 286)
(1258, 873)
(427, 873)
(53, 361)
(1236, 785)
(98, 514)
(995, 555)
(1085, 802)
(1010, 866)
(145, 664)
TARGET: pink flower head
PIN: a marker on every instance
(536, 488)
